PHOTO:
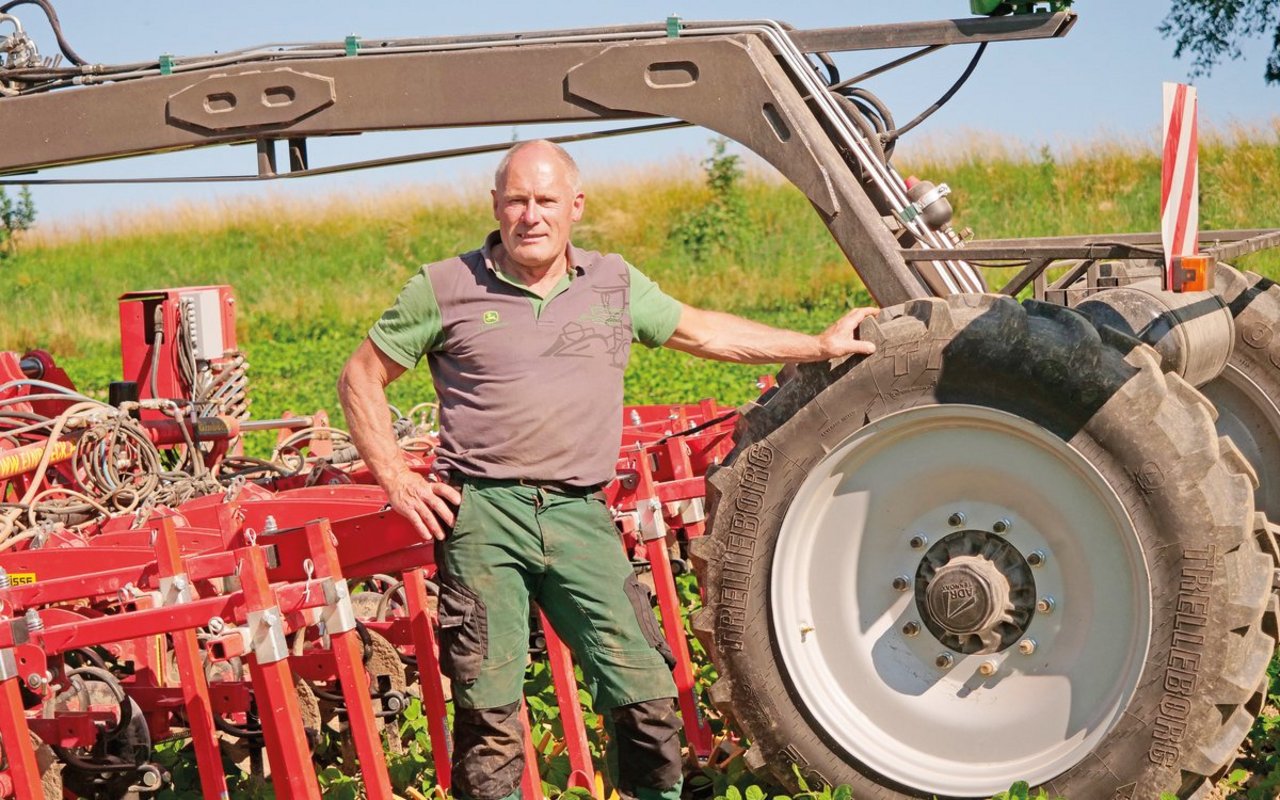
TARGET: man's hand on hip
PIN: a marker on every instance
(429, 505)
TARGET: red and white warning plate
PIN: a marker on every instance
(1180, 179)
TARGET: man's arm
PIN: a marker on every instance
(362, 391)
(725, 337)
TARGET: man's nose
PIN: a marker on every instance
(531, 214)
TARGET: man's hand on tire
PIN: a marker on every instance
(841, 339)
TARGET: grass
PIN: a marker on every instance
(311, 278)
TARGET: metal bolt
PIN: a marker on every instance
(910, 629)
(269, 525)
(181, 583)
(919, 541)
(1045, 605)
(1027, 646)
(901, 583)
(4, 579)
(944, 661)
(34, 682)
(1001, 525)
(1036, 558)
(150, 779)
(956, 519)
(987, 668)
(34, 623)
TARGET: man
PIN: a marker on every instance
(527, 340)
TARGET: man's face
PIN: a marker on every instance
(536, 207)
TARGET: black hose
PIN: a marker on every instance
(113, 683)
(833, 72)
(71, 55)
(955, 87)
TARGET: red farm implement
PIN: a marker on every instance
(157, 585)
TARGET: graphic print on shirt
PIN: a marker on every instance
(601, 330)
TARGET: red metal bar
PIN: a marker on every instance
(192, 680)
(347, 654)
(292, 771)
(582, 773)
(134, 625)
(433, 702)
(682, 469)
(75, 573)
(16, 737)
(696, 729)
(531, 779)
(67, 729)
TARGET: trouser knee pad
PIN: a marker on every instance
(488, 751)
(648, 745)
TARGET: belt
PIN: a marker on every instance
(457, 480)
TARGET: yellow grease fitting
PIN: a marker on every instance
(27, 458)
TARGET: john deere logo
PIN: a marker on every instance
(490, 317)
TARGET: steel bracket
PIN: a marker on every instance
(266, 635)
(339, 616)
(176, 590)
(652, 524)
(695, 510)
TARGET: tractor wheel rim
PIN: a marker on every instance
(851, 636)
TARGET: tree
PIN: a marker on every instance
(15, 216)
(1211, 30)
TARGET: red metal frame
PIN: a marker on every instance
(141, 586)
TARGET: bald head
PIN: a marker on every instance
(538, 149)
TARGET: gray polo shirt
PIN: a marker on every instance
(529, 387)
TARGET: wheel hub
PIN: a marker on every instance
(975, 592)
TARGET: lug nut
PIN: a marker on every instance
(944, 661)
(987, 668)
(919, 541)
(901, 583)
(1027, 646)
(956, 519)
(1036, 558)
(910, 629)
(1045, 605)
(1001, 525)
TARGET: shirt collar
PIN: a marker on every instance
(579, 259)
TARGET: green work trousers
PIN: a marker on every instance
(512, 544)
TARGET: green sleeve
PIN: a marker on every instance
(411, 328)
(654, 313)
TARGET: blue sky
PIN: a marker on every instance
(1101, 80)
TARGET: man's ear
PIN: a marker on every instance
(579, 206)
(493, 194)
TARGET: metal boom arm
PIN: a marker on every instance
(731, 78)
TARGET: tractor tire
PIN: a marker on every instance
(1247, 393)
(1003, 547)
